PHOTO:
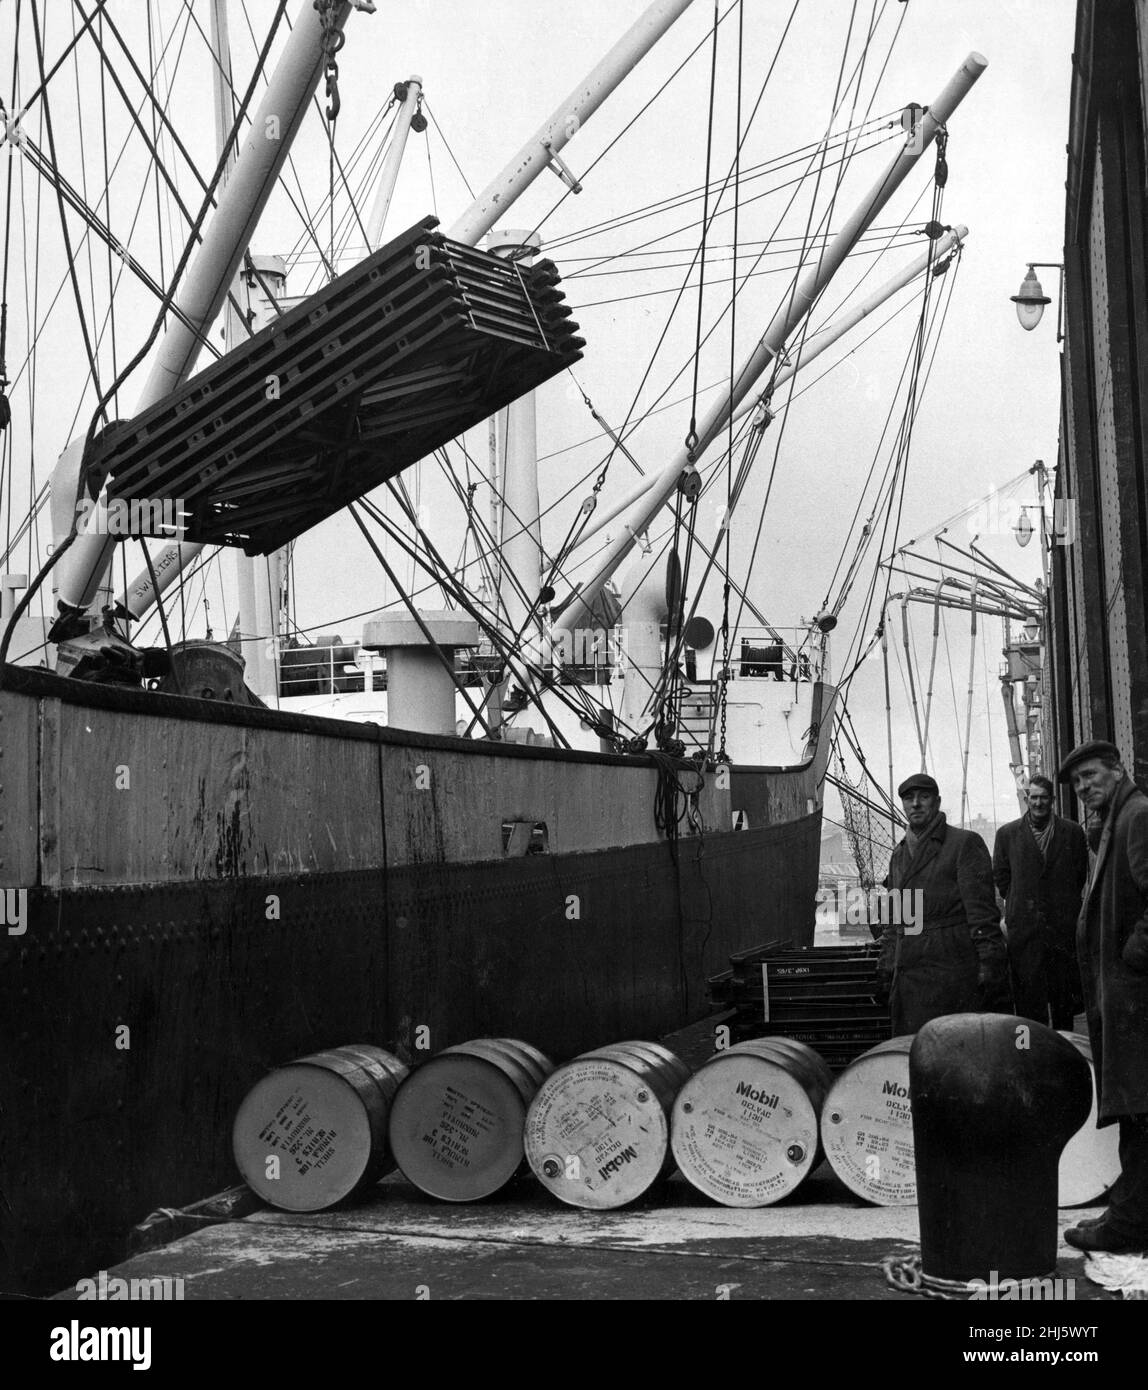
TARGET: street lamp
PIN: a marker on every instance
(1031, 299)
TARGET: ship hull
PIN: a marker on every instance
(210, 895)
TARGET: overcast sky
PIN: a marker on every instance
(494, 70)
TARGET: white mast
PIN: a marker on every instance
(576, 611)
(226, 237)
(541, 150)
(258, 581)
(394, 157)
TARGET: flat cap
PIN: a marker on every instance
(1094, 748)
(920, 781)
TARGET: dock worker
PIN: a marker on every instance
(1040, 863)
(949, 957)
(1112, 947)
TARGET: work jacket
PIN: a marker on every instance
(1042, 902)
(935, 963)
(1112, 945)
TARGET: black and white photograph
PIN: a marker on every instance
(573, 669)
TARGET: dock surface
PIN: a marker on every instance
(674, 1245)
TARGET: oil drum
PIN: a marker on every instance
(1090, 1163)
(456, 1124)
(744, 1127)
(314, 1132)
(598, 1131)
(867, 1126)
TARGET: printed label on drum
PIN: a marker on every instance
(464, 1123)
(743, 1144)
(867, 1131)
(294, 1132)
(610, 1145)
(744, 1130)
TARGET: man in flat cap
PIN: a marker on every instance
(951, 957)
(1112, 946)
(1040, 863)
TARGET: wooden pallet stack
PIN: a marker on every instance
(822, 996)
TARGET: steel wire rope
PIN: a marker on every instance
(775, 246)
(7, 458)
(442, 136)
(68, 540)
(866, 536)
(667, 705)
(914, 381)
(937, 330)
(669, 318)
(93, 366)
(866, 540)
(674, 201)
(795, 183)
(839, 96)
(829, 139)
(158, 164)
(882, 244)
(778, 223)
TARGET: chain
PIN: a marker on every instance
(907, 1276)
(333, 40)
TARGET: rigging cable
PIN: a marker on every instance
(937, 324)
(7, 454)
(725, 535)
(61, 549)
(88, 348)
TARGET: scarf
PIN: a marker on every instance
(1043, 837)
(915, 841)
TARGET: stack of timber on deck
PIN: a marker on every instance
(1097, 679)
(822, 996)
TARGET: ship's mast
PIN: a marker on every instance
(576, 606)
(259, 579)
(411, 95)
(541, 150)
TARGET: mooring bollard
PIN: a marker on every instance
(995, 1100)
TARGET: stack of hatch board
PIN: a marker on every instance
(421, 340)
(823, 996)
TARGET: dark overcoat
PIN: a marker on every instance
(935, 970)
(1042, 902)
(1112, 945)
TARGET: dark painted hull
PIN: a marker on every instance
(223, 969)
